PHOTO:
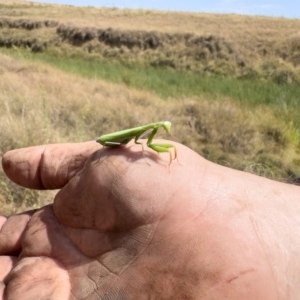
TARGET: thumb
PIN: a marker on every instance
(47, 166)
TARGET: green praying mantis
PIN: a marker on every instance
(125, 136)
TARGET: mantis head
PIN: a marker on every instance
(167, 126)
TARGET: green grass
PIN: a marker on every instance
(284, 98)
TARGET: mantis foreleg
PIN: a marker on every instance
(160, 147)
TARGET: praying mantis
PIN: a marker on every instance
(123, 137)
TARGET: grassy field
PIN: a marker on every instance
(52, 89)
(239, 46)
(168, 82)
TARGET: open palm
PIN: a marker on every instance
(121, 229)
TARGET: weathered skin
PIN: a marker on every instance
(120, 229)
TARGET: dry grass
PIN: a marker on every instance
(51, 106)
(233, 45)
(235, 27)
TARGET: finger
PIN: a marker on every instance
(2, 221)
(11, 233)
(47, 166)
(2, 287)
(38, 278)
(6, 263)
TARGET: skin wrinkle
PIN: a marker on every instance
(239, 275)
(98, 294)
(76, 164)
(254, 224)
(79, 162)
(105, 280)
(176, 229)
(72, 294)
(118, 277)
(106, 267)
(41, 171)
(37, 281)
(25, 265)
(58, 172)
(71, 165)
(38, 230)
(92, 280)
(61, 262)
(114, 293)
(13, 264)
(96, 157)
(134, 258)
(58, 175)
(22, 162)
(138, 254)
(72, 212)
(71, 169)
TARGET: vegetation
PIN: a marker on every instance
(231, 84)
(239, 46)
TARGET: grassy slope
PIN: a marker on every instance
(54, 106)
(218, 44)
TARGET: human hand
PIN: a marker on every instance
(119, 229)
